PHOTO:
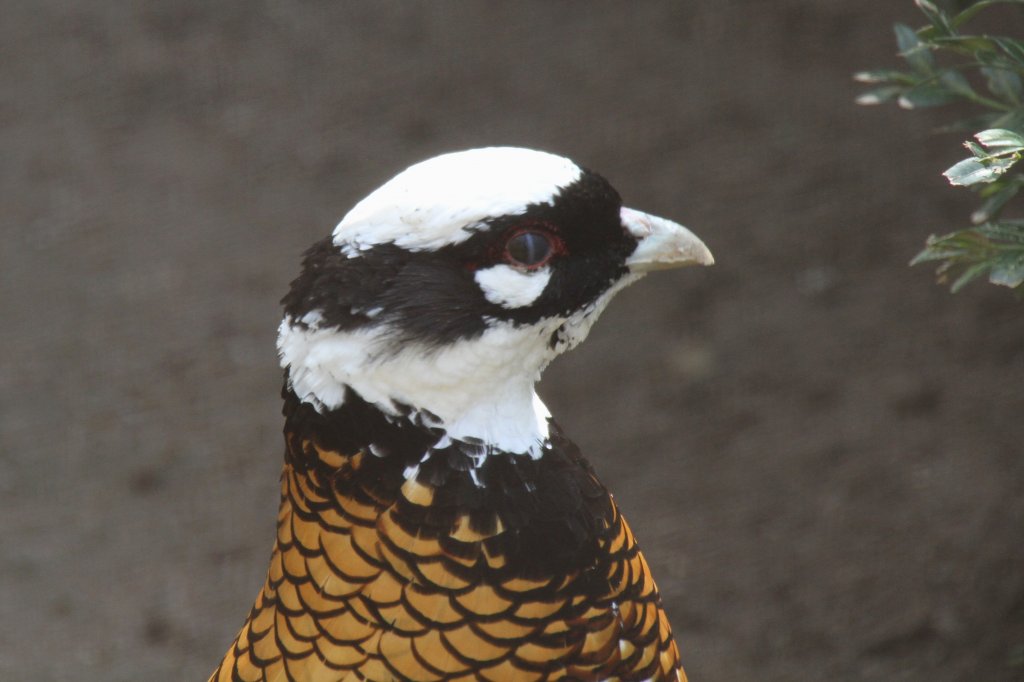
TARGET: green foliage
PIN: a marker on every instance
(995, 152)
(996, 249)
(949, 65)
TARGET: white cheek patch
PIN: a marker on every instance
(510, 288)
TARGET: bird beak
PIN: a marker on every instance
(662, 244)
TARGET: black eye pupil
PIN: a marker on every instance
(529, 248)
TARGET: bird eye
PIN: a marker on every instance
(529, 249)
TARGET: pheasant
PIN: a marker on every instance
(435, 523)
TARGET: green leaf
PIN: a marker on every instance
(1008, 274)
(883, 76)
(993, 248)
(945, 247)
(996, 195)
(1010, 231)
(995, 59)
(1008, 259)
(955, 82)
(985, 170)
(969, 13)
(976, 149)
(906, 37)
(969, 172)
(1000, 140)
(913, 50)
(1003, 83)
(936, 16)
(926, 95)
(996, 151)
(971, 273)
(1014, 49)
(966, 44)
(878, 95)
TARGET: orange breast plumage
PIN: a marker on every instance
(532, 575)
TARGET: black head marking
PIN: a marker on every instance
(432, 296)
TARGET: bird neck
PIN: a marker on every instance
(544, 516)
(478, 390)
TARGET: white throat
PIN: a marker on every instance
(481, 388)
(478, 389)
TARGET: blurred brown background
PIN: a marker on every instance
(820, 450)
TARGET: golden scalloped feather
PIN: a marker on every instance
(353, 592)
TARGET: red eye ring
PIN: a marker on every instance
(530, 248)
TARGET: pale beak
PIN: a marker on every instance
(662, 244)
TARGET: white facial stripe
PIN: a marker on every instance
(441, 200)
(510, 288)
